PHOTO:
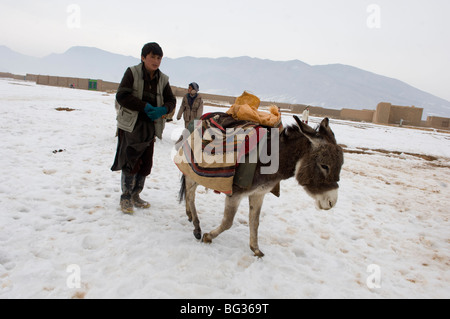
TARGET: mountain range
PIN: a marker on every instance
(334, 86)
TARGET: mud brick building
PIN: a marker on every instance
(385, 113)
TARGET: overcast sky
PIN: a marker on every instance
(404, 39)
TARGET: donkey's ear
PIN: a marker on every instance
(307, 130)
(325, 122)
(326, 132)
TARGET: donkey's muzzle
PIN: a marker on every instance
(326, 200)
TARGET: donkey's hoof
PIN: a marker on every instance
(198, 234)
(258, 253)
(207, 239)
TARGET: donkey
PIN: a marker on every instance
(311, 155)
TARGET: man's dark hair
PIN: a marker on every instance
(152, 47)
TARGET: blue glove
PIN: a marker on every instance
(148, 107)
(155, 113)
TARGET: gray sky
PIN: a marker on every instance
(404, 39)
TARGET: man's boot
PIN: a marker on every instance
(128, 182)
(138, 187)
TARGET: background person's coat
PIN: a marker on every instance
(190, 113)
(305, 116)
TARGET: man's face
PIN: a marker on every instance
(152, 62)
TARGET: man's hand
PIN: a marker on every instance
(155, 113)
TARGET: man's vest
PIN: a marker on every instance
(126, 118)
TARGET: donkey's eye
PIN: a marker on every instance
(326, 168)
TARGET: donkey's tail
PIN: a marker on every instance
(182, 192)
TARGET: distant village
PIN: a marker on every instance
(385, 113)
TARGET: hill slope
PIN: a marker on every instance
(333, 86)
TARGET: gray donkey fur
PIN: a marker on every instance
(312, 156)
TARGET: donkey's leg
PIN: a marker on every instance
(188, 210)
(191, 211)
(231, 206)
(255, 201)
(187, 197)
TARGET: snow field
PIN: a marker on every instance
(60, 208)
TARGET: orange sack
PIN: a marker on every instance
(246, 108)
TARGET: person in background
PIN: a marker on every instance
(305, 115)
(144, 97)
(192, 106)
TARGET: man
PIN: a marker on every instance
(144, 96)
(192, 106)
(305, 115)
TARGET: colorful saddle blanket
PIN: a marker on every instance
(218, 145)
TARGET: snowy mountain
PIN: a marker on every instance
(333, 86)
(82, 62)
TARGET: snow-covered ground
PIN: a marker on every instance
(62, 234)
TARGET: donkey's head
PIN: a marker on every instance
(320, 166)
